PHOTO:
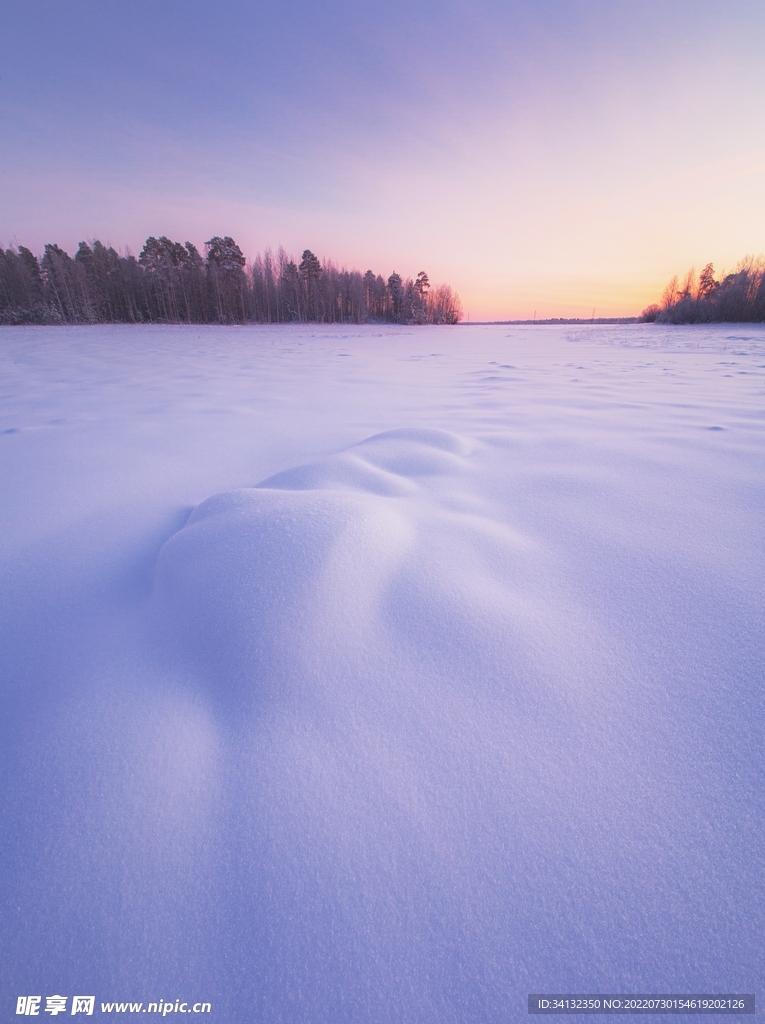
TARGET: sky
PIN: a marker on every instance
(546, 158)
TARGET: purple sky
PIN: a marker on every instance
(553, 155)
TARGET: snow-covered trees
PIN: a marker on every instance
(444, 306)
(375, 296)
(228, 284)
(396, 293)
(174, 280)
(171, 282)
(737, 297)
(706, 281)
(21, 287)
(310, 271)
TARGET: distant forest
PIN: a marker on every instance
(738, 298)
(170, 283)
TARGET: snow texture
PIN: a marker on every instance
(384, 675)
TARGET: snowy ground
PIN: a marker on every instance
(391, 728)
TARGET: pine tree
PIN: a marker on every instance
(290, 291)
(225, 268)
(310, 271)
(396, 291)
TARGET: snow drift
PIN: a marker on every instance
(343, 566)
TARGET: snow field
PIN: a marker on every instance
(382, 675)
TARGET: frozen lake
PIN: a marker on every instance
(378, 673)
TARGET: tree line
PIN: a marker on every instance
(177, 284)
(700, 299)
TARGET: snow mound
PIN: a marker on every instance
(386, 463)
(327, 571)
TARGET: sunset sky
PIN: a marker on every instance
(549, 156)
